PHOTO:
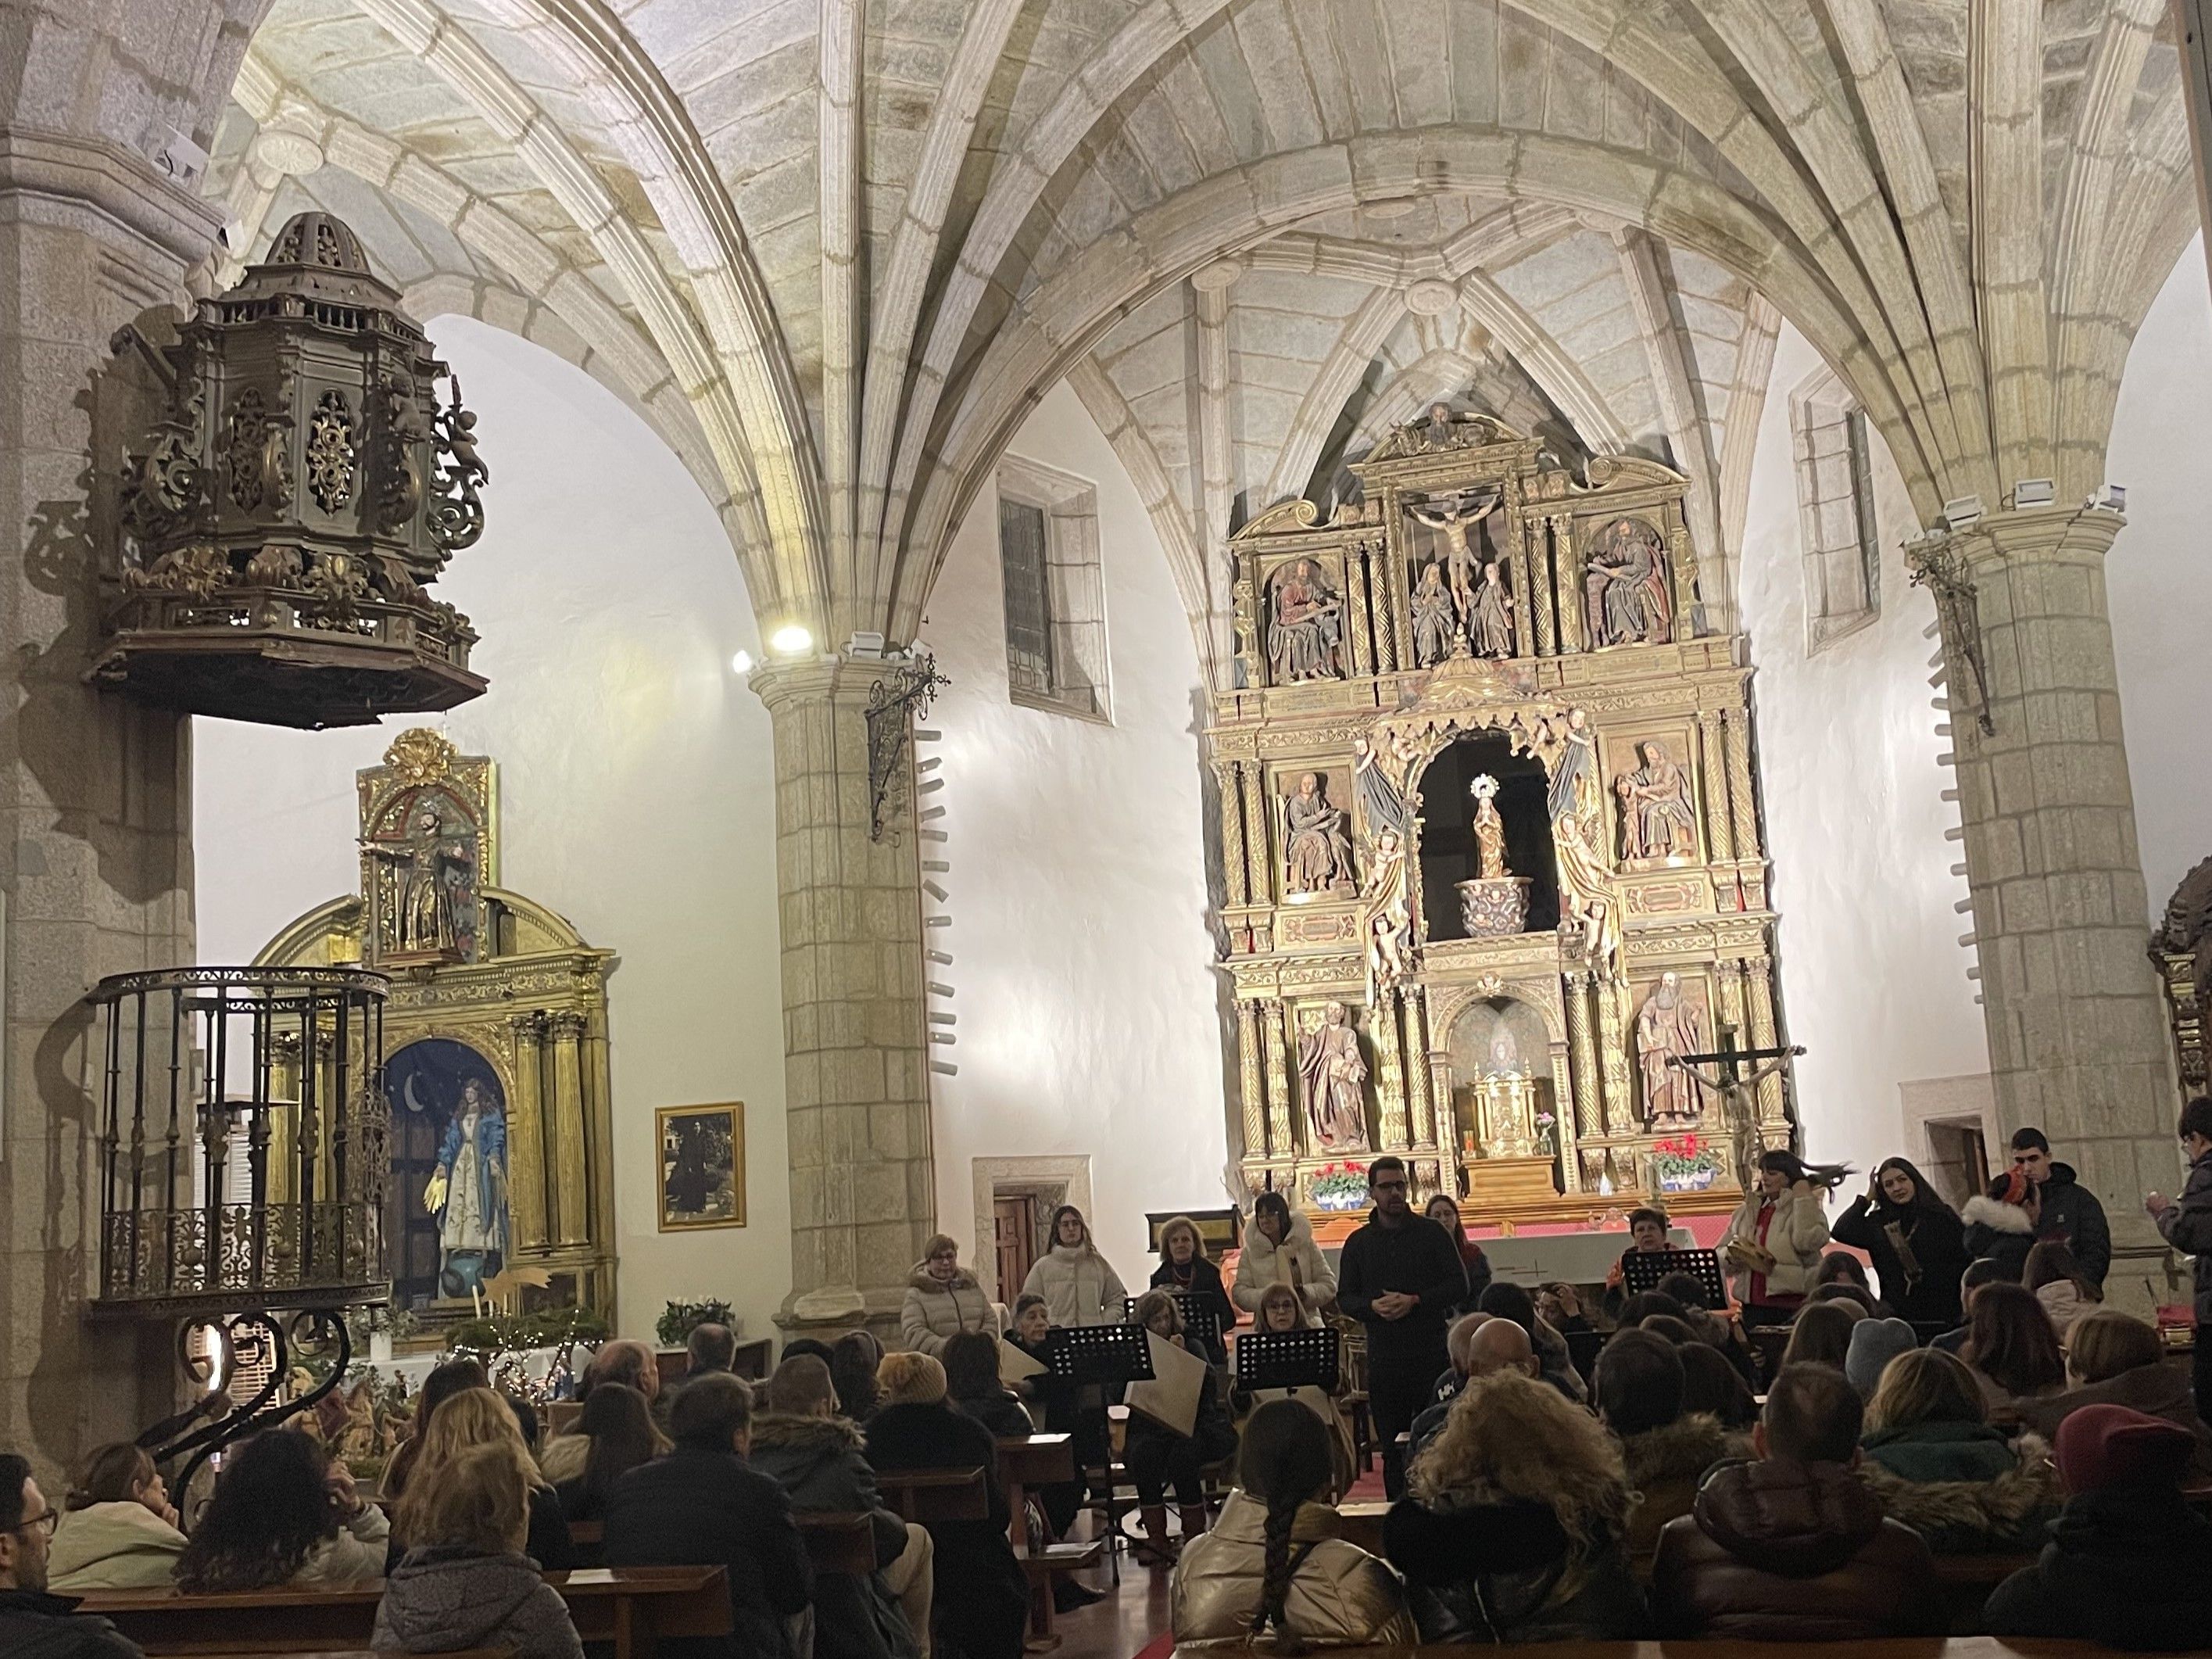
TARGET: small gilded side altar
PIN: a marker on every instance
(495, 1042)
(1490, 835)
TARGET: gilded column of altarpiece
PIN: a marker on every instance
(1492, 843)
(495, 1042)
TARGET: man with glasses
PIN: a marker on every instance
(33, 1624)
(1399, 1277)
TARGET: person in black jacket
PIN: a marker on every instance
(982, 1597)
(702, 1505)
(971, 1381)
(1185, 1270)
(32, 1622)
(2187, 1225)
(2037, 1198)
(1400, 1276)
(1917, 1243)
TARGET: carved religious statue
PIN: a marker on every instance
(1657, 821)
(1625, 584)
(1489, 829)
(1668, 1027)
(1305, 626)
(1331, 1067)
(1491, 633)
(1588, 902)
(1316, 851)
(1435, 618)
(1389, 920)
(467, 1192)
(433, 908)
(1460, 558)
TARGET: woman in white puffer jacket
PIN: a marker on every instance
(1079, 1286)
(1280, 1250)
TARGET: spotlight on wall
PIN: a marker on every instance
(792, 640)
(2033, 492)
(2113, 498)
(1962, 510)
(742, 663)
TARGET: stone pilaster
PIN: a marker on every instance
(2078, 1044)
(96, 793)
(856, 1074)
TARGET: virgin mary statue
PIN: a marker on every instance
(468, 1193)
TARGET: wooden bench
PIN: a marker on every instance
(1043, 1459)
(631, 1607)
(924, 1496)
(834, 1543)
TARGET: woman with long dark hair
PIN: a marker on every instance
(1077, 1283)
(1773, 1243)
(283, 1514)
(853, 1362)
(1272, 1562)
(619, 1425)
(1444, 1210)
(2011, 1345)
(2066, 1291)
(1916, 1242)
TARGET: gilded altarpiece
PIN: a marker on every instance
(1490, 836)
(495, 1039)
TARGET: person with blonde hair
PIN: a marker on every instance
(943, 1299)
(1933, 1461)
(981, 1596)
(119, 1531)
(464, 1582)
(479, 1417)
(2112, 1358)
(1185, 1271)
(1512, 1530)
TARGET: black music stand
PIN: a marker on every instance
(1288, 1359)
(1201, 1323)
(1099, 1354)
(1642, 1270)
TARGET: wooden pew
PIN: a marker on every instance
(632, 1607)
(834, 1543)
(1042, 1460)
(924, 1496)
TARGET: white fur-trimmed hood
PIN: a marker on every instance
(1996, 1214)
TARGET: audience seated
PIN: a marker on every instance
(853, 1361)
(943, 1299)
(1644, 1304)
(1512, 1530)
(1821, 1335)
(1842, 1268)
(1504, 1300)
(1158, 1457)
(478, 1417)
(120, 1530)
(1458, 1342)
(1857, 1298)
(1491, 1346)
(820, 1460)
(982, 1598)
(1793, 1547)
(616, 1427)
(703, 1505)
(800, 1346)
(629, 1363)
(1185, 1271)
(464, 1581)
(1935, 1464)
(2112, 1358)
(445, 1380)
(1271, 1562)
(33, 1622)
(2066, 1293)
(1715, 1326)
(1983, 1270)
(1710, 1385)
(710, 1347)
(1664, 1449)
(2129, 1564)
(1668, 1327)
(971, 1380)
(1444, 1210)
(2012, 1347)
(283, 1513)
(1279, 1248)
(1874, 1344)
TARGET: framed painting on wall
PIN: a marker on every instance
(703, 1166)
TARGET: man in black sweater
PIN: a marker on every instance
(1400, 1276)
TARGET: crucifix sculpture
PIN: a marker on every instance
(1720, 1072)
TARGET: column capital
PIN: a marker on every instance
(2085, 532)
(123, 187)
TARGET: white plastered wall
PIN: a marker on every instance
(1087, 1006)
(1874, 982)
(635, 785)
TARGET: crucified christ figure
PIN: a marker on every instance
(1460, 559)
(1739, 1091)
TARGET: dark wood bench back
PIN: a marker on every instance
(924, 1496)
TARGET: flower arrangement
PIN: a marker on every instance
(680, 1319)
(1547, 1131)
(1685, 1163)
(1338, 1187)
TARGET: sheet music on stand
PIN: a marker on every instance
(1642, 1270)
(1109, 1354)
(1288, 1359)
(1201, 1323)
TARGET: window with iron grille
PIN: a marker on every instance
(1835, 507)
(1054, 590)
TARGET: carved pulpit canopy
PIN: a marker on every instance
(2181, 950)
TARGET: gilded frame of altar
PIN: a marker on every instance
(1579, 656)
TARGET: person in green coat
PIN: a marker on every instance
(1932, 1461)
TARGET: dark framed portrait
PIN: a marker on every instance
(703, 1166)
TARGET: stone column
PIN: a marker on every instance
(96, 793)
(856, 1076)
(2078, 1042)
(525, 1117)
(570, 1186)
(1613, 1059)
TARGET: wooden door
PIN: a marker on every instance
(1014, 1224)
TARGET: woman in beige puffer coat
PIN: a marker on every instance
(943, 1299)
(120, 1532)
(1079, 1286)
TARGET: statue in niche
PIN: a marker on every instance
(1655, 818)
(1389, 919)
(1459, 557)
(1504, 1058)
(433, 909)
(1625, 584)
(1668, 1027)
(466, 1194)
(1577, 809)
(1330, 1066)
(1493, 632)
(1317, 853)
(1306, 627)
(1436, 618)
(1489, 829)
